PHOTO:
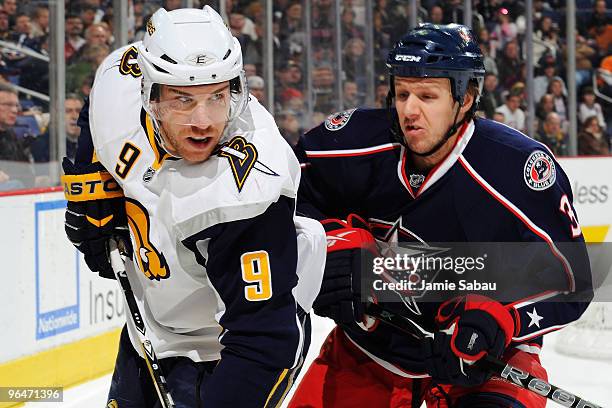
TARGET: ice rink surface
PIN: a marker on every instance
(591, 379)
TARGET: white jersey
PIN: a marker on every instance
(213, 242)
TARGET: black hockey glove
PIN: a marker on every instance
(471, 326)
(349, 244)
(95, 213)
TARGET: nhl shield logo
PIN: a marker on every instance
(148, 175)
(338, 120)
(540, 172)
(416, 180)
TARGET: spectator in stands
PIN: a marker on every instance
(86, 85)
(599, 18)
(95, 35)
(256, 88)
(91, 57)
(541, 82)
(491, 98)
(555, 87)
(513, 114)
(509, 65)
(350, 29)
(552, 135)
(21, 32)
(249, 70)
(488, 58)
(381, 92)
(600, 27)
(382, 44)
(292, 20)
(289, 76)
(40, 147)
(355, 62)
(546, 39)
(505, 30)
(322, 30)
(323, 81)
(74, 38)
(545, 105)
(584, 66)
(15, 168)
(289, 126)
(244, 30)
(588, 108)
(88, 15)
(436, 14)
(172, 4)
(453, 11)
(40, 21)
(10, 7)
(293, 100)
(499, 117)
(592, 140)
(350, 93)
(5, 31)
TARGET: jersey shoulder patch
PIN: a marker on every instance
(540, 171)
(338, 120)
(349, 130)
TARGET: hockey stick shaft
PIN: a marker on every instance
(489, 363)
(147, 348)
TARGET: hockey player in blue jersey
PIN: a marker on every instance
(427, 170)
(223, 271)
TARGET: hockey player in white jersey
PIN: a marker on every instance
(222, 269)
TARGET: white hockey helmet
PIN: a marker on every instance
(187, 47)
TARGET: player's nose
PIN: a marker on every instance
(411, 107)
(200, 118)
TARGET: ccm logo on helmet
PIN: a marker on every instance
(407, 58)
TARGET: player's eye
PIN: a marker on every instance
(218, 97)
(402, 96)
(183, 102)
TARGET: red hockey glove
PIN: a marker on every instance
(470, 327)
(350, 249)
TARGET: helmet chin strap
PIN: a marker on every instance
(449, 133)
(157, 133)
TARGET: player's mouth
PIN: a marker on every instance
(199, 142)
(413, 130)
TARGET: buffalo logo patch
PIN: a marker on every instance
(338, 120)
(242, 156)
(540, 172)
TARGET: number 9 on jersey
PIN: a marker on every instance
(256, 271)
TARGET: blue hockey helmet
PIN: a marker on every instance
(439, 51)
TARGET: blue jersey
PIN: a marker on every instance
(496, 185)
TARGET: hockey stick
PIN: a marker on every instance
(489, 363)
(147, 349)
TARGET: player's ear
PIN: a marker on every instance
(468, 101)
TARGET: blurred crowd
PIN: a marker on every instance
(317, 70)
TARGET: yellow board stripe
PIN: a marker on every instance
(595, 233)
(280, 380)
(63, 366)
